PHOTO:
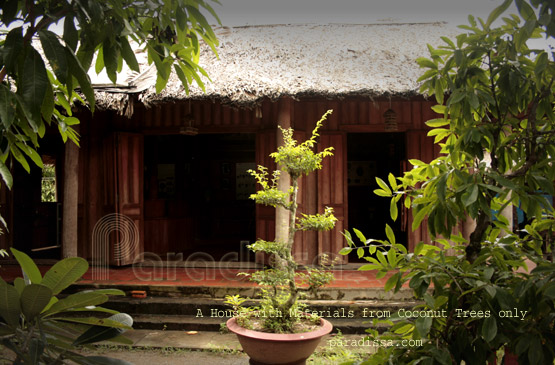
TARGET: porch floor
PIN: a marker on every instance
(195, 277)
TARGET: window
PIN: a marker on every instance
(48, 183)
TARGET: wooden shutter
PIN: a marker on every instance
(332, 192)
(124, 185)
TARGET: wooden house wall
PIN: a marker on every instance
(328, 187)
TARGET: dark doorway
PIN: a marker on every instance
(37, 203)
(371, 155)
(197, 194)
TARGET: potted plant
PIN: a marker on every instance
(279, 330)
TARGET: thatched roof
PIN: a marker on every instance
(337, 60)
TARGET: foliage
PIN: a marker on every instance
(48, 184)
(38, 89)
(40, 327)
(497, 139)
(281, 293)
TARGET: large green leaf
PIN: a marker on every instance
(10, 308)
(64, 273)
(129, 55)
(76, 301)
(93, 321)
(489, 329)
(6, 175)
(31, 272)
(33, 300)
(8, 106)
(12, 48)
(36, 349)
(55, 54)
(103, 333)
(77, 70)
(34, 80)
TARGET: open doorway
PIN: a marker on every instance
(197, 194)
(371, 155)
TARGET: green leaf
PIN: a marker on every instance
(535, 352)
(105, 322)
(360, 252)
(438, 122)
(47, 108)
(55, 54)
(345, 251)
(129, 55)
(6, 175)
(426, 62)
(498, 11)
(36, 348)
(384, 186)
(76, 301)
(34, 81)
(393, 210)
(80, 74)
(31, 272)
(10, 308)
(110, 57)
(203, 22)
(64, 273)
(8, 106)
(423, 325)
(181, 74)
(392, 282)
(34, 299)
(489, 328)
(71, 37)
(12, 49)
(360, 235)
(389, 233)
(103, 333)
(470, 196)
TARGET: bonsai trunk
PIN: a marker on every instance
(288, 260)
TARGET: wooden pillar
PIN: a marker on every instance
(70, 202)
(282, 215)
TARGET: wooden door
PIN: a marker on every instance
(332, 192)
(265, 215)
(125, 196)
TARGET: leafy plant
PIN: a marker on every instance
(497, 139)
(280, 306)
(39, 85)
(41, 327)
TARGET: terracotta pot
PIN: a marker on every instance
(275, 348)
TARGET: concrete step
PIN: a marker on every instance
(217, 308)
(202, 314)
(215, 324)
(328, 293)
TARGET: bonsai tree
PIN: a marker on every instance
(39, 327)
(497, 136)
(280, 308)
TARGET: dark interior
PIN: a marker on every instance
(196, 193)
(372, 155)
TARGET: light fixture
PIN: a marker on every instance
(390, 120)
(188, 120)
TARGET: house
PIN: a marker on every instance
(174, 165)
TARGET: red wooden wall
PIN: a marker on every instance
(326, 188)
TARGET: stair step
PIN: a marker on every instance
(214, 324)
(217, 307)
(167, 290)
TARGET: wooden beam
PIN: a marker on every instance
(70, 202)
